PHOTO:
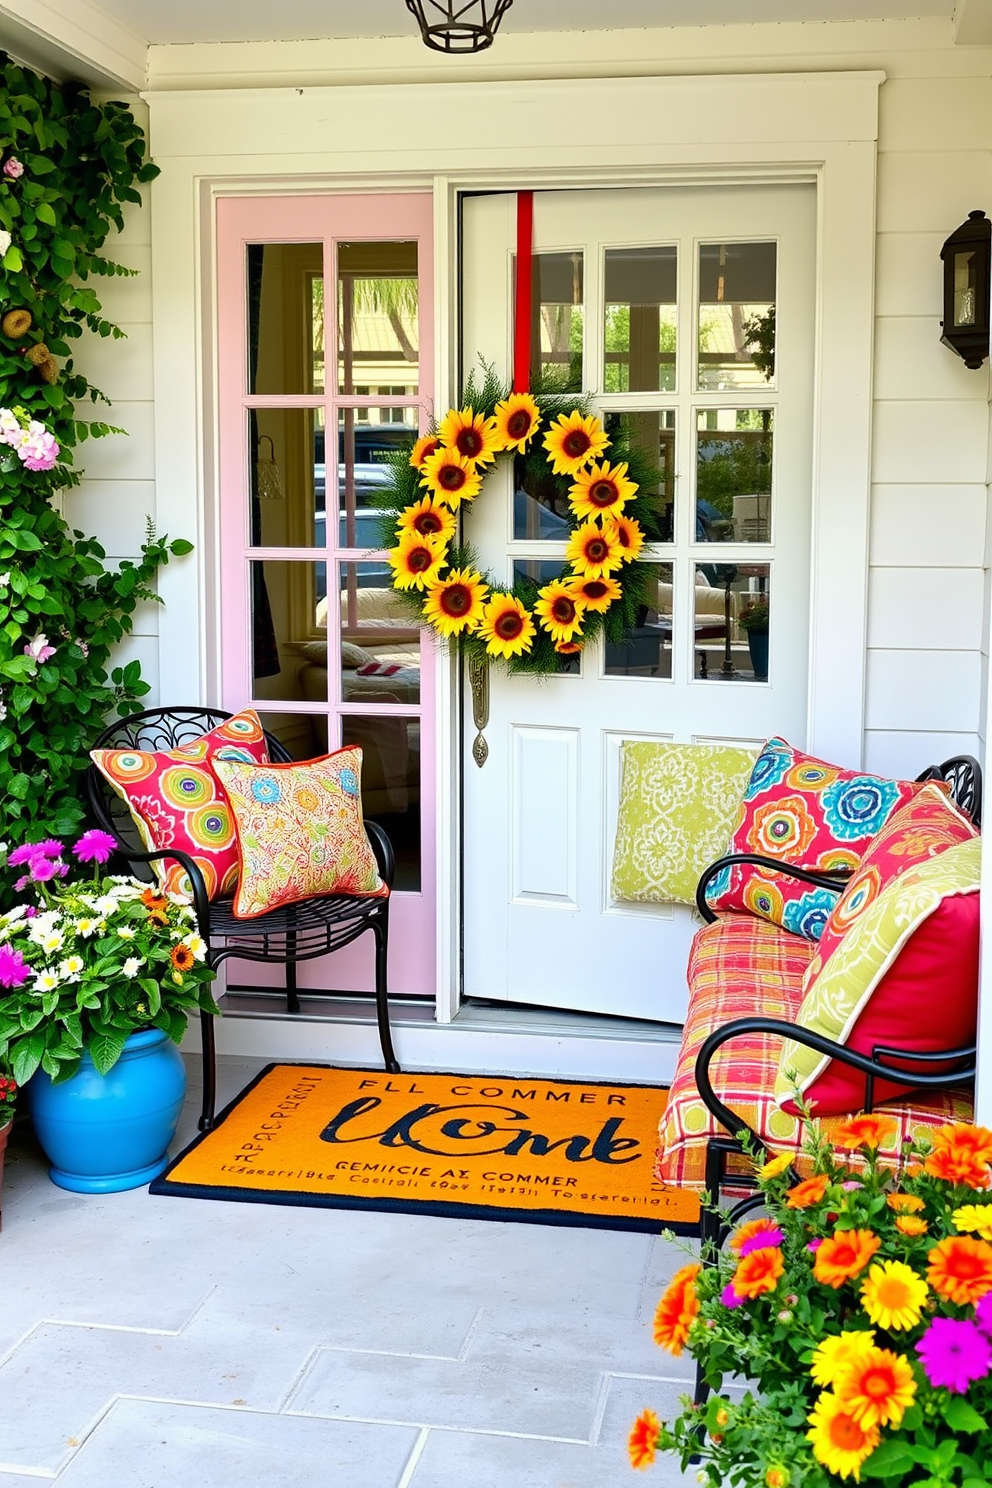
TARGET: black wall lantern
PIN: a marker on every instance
(458, 26)
(967, 256)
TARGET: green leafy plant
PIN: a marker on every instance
(754, 615)
(67, 167)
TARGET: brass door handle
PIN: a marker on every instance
(478, 676)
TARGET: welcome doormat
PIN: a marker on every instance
(566, 1152)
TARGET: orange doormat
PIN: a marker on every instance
(481, 1147)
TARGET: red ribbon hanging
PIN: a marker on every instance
(522, 308)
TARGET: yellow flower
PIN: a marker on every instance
(427, 518)
(450, 477)
(911, 1225)
(628, 534)
(904, 1203)
(506, 626)
(455, 603)
(471, 434)
(559, 611)
(893, 1295)
(574, 440)
(425, 445)
(878, 1387)
(517, 421)
(974, 1217)
(601, 488)
(416, 560)
(776, 1165)
(835, 1354)
(840, 1443)
(595, 594)
(592, 552)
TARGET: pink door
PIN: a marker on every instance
(325, 364)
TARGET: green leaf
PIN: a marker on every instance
(44, 213)
(26, 1056)
(890, 1459)
(180, 547)
(961, 1416)
(105, 1048)
(13, 262)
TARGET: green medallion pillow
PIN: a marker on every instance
(678, 804)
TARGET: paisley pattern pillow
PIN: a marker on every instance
(300, 831)
(678, 802)
(176, 800)
(812, 815)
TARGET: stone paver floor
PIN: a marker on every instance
(179, 1343)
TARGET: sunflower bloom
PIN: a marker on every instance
(758, 1272)
(158, 917)
(182, 957)
(642, 1443)
(839, 1442)
(596, 594)
(593, 552)
(427, 518)
(893, 1295)
(450, 477)
(569, 648)
(416, 560)
(843, 1256)
(677, 1310)
(425, 445)
(775, 1166)
(506, 626)
(807, 1193)
(960, 1269)
(869, 1130)
(559, 611)
(455, 603)
(517, 420)
(627, 534)
(601, 488)
(974, 1217)
(877, 1387)
(471, 434)
(573, 440)
(911, 1225)
(904, 1203)
(837, 1353)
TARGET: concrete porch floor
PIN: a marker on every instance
(181, 1343)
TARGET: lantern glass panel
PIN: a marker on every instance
(965, 284)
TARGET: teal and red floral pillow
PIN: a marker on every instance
(812, 815)
(176, 800)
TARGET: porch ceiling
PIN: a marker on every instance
(170, 21)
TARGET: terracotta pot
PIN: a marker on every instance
(5, 1132)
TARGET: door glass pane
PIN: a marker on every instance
(731, 608)
(540, 503)
(646, 647)
(734, 474)
(655, 434)
(367, 438)
(380, 643)
(557, 292)
(537, 573)
(736, 314)
(286, 473)
(287, 615)
(285, 317)
(303, 734)
(391, 784)
(378, 319)
(640, 319)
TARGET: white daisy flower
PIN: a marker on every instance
(87, 927)
(105, 905)
(197, 945)
(71, 968)
(132, 965)
(53, 941)
(126, 932)
(46, 981)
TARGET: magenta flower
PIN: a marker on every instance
(42, 869)
(13, 168)
(14, 970)
(94, 846)
(22, 882)
(954, 1353)
(50, 848)
(815, 1244)
(23, 854)
(39, 649)
(983, 1313)
(763, 1240)
(30, 912)
(730, 1298)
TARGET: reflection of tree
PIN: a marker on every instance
(735, 462)
(392, 296)
(617, 340)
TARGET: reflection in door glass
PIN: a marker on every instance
(285, 284)
(734, 474)
(536, 574)
(304, 735)
(736, 342)
(655, 434)
(640, 296)
(287, 614)
(367, 440)
(732, 606)
(378, 319)
(391, 784)
(557, 292)
(286, 472)
(380, 644)
(645, 649)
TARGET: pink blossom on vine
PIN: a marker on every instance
(38, 450)
(39, 649)
(13, 168)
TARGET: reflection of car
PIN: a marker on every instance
(374, 443)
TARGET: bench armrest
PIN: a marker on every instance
(821, 880)
(873, 1068)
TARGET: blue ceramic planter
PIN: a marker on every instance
(105, 1133)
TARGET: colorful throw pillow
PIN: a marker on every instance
(903, 975)
(678, 803)
(812, 815)
(176, 800)
(300, 831)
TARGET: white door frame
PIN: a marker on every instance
(762, 128)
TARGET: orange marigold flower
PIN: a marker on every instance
(182, 957)
(677, 1310)
(957, 1167)
(151, 900)
(904, 1203)
(758, 1272)
(964, 1138)
(911, 1225)
(807, 1193)
(869, 1130)
(844, 1255)
(877, 1387)
(158, 917)
(642, 1443)
(960, 1269)
(747, 1229)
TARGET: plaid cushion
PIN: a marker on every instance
(729, 960)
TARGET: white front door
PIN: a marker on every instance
(688, 315)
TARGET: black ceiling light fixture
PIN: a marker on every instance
(458, 26)
(967, 256)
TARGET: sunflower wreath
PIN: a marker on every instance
(602, 482)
